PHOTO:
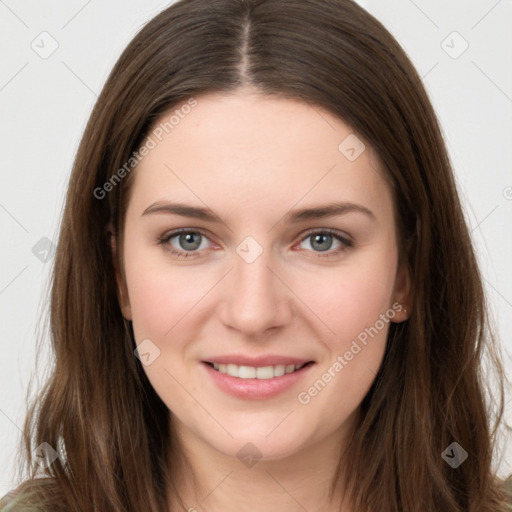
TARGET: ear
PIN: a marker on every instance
(403, 294)
(121, 288)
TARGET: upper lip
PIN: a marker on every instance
(264, 360)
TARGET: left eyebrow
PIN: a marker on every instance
(329, 210)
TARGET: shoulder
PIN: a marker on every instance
(31, 496)
(508, 487)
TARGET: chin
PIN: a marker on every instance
(250, 450)
(265, 440)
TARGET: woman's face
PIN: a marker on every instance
(287, 262)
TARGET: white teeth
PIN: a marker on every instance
(260, 372)
(245, 372)
(279, 369)
(232, 369)
(265, 372)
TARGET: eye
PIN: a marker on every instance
(184, 243)
(322, 241)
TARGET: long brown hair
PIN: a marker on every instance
(98, 409)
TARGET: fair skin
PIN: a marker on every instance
(251, 160)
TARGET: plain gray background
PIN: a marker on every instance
(56, 56)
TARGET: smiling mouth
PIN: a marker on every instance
(257, 372)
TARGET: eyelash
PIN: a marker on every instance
(165, 239)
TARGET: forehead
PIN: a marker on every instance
(253, 153)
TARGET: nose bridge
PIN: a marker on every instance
(255, 299)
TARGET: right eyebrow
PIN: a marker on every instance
(183, 210)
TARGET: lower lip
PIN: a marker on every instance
(256, 389)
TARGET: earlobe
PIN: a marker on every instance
(403, 295)
(124, 304)
(121, 288)
(401, 313)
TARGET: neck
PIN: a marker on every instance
(208, 480)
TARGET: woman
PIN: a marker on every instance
(256, 300)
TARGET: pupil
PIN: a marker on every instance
(188, 238)
(322, 239)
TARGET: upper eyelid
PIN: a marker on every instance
(179, 231)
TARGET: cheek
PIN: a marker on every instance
(164, 302)
(161, 294)
(353, 297)
(159, 300)
(356, 306)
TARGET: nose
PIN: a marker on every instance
(255, 298)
